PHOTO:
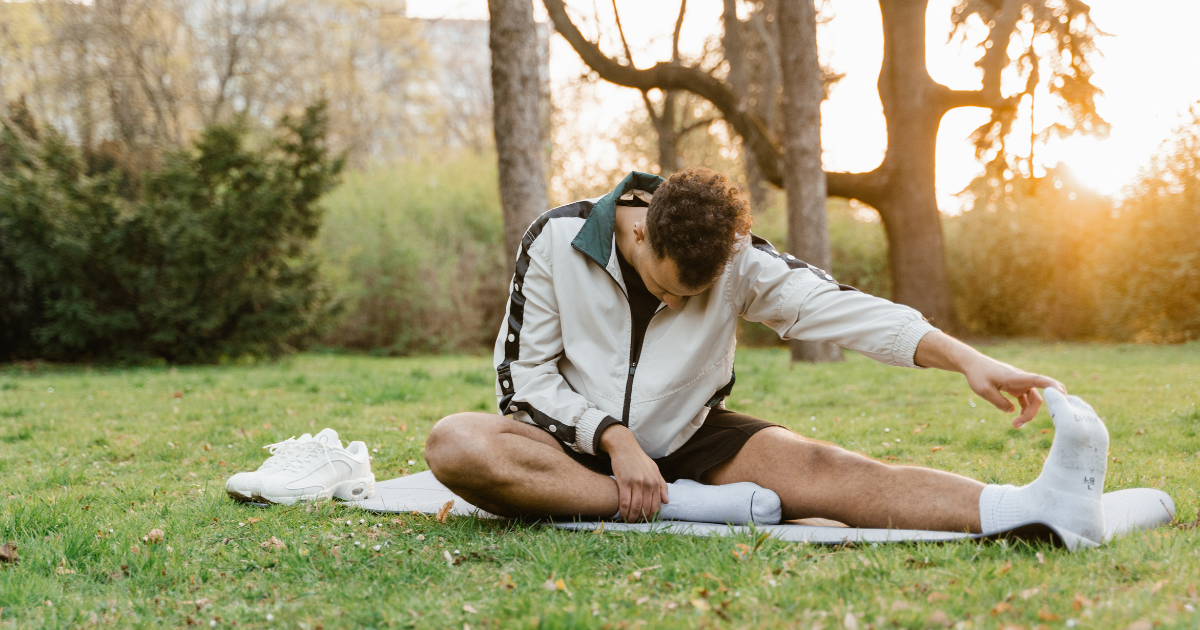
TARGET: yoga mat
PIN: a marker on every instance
(1125, 511)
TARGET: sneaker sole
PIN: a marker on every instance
(350, 490)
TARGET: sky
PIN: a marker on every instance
(1145, 72)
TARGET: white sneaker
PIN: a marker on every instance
(241, 486)
(319, 469)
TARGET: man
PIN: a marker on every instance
(617, 352)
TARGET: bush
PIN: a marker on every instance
(1022, 261)
(416, 251)
(1048, 258)
(213, 258)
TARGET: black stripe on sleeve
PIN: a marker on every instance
(764, 245)
(516, 316)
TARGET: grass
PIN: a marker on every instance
(91, 460)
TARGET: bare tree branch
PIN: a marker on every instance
(671, 76)
(675, 36)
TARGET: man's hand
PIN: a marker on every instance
(640, 484)
(987, 377)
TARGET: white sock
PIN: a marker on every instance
(734, 503)
(1067, 495)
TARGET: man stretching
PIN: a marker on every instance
(616, 355)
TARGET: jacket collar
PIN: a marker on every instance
(595, 238)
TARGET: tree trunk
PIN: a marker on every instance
(803, 176)
(517, 118)
(913, 104)
(668, 135)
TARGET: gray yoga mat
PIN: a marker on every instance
(1125, 511)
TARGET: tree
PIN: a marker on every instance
(902, 187)
(803, 176)
(517, 118)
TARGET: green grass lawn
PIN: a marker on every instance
(91, 460)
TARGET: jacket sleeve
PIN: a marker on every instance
(802, 302)
(529, 386)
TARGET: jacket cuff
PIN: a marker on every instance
(904, 349)
(586, 430)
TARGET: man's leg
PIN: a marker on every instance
(816, 479)
(511, 468)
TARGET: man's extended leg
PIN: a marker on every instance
(511, 468)
(816, 479)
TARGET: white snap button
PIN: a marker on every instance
(512, 337)
(553, 429)
(512, 408)
(505, 384)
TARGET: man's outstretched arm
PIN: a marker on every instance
(986, 376)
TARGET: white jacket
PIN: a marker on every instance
(563, 353)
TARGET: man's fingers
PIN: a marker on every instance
(1026, 382)
(996, 398)
(635, 504)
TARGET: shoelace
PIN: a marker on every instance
(300, 458)
(279, 452)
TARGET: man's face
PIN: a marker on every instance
(661, 276)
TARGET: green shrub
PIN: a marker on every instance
(1152, 267)
(212, 259)
(415, 249)
(1022, 259)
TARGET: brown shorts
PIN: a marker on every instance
(722, 435)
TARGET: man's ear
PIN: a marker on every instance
(639, 231)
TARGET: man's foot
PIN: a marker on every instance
(1067, 495)
(735, 503)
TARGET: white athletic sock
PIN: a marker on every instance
(734, 503)
(1067, 495)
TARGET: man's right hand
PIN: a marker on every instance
(639, 483)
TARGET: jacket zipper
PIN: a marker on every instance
(633, 363)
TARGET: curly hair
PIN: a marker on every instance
(695, 218)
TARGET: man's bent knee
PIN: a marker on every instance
(457, 444)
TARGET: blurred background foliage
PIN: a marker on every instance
(152, 207)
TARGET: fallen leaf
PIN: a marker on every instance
(449, 558)
(1041, 558)
(273, 544)
(642, 600)
(1006, 568)
(1157, 586)
(560, 585)
(198, 603)
(154, 536)
(8, 553)
(549, 585)
(506, 582)
(936, 449)
(937, 597)
(850, 622)
(445, 511)
(939, 618)
(1029, 592)
(471, 609)
(1192, 592)
(1001, 608)
(1045, 431)
(252, 520)
(1079, 602)
(1046, 615)
(701, 604)
(899, 605)
(1140, 624)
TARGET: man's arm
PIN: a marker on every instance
(986, 376)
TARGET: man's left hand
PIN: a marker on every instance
(989, 378)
